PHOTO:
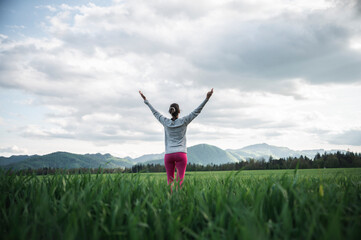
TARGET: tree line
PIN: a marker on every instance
(326, 160)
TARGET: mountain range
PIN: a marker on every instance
(263, 150)
(64, 160)
(199, 154)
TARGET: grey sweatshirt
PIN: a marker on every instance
(175, 131)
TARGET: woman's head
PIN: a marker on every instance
(174, 110)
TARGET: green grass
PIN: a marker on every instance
(274, 204)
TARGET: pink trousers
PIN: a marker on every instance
(175, 160)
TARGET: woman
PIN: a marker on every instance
(175, 137)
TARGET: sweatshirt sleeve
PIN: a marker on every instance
(156, 114)
(195, 113)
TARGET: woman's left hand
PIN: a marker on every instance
(209, 94)
(141, 94)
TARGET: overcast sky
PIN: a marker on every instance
(284, 72)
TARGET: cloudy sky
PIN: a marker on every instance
(284, 72)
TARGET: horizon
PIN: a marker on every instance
(285, 73)
(224, 149)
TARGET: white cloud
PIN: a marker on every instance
(349, 137)
(12, 150)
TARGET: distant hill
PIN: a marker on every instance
(263, 150)
(156, 161)
(65, 160)
(148, 157)
(207, 154)
(13, 159)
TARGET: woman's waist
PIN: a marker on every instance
(169, 152)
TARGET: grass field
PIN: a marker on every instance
(274, 204)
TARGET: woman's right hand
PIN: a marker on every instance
(141, 94)
(209, 94)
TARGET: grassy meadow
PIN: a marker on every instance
(260, 204)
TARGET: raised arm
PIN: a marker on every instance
(156, 114)
(198, 110)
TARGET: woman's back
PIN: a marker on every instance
(175, 135)
(175, 130)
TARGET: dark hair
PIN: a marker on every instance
(174, 110)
